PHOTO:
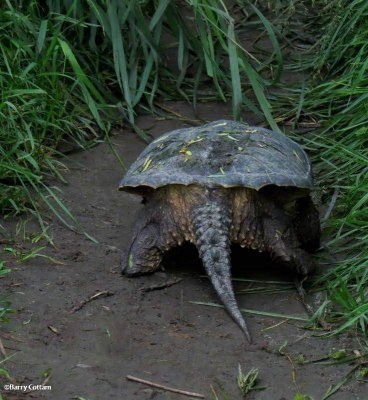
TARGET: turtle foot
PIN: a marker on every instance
(144, 256)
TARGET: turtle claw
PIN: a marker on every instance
(128, 267)
(135, 266)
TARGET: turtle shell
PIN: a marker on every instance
(221, 153)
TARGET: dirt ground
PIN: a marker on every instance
(158, 335)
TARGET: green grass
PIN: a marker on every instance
(335, 95)
(41, 104)
(4, 303)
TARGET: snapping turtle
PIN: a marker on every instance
(219, 184)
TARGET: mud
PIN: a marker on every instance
(157, 335)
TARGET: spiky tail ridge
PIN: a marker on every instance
(211, 223)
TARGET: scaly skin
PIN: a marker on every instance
(211, 222)
(212, 219)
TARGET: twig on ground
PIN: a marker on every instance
(293, 369)
(214, 392)
(160, 286)
(308, 308)
(194, 122)
(274, 326)
(2, 349)
(10, 337)
(104, 293)
(6, 241)
(53, 330)
(169, 389)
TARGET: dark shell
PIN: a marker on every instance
(221, 153)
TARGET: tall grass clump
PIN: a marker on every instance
(336, 97)
(41, 104)
(161, 48)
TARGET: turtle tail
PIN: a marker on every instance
(211, 223)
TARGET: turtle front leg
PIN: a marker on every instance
(154, 233)
(144, 254)
(307, 225)
(282, 243)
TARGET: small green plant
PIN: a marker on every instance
(337, 354)
(26, 255)
(300, 396)
(300, 359)
(3, 269)
(362, 373)
(4, 304)
(4, 310)
(247, 382)
(46, 373)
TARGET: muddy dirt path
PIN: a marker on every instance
(159, 335)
